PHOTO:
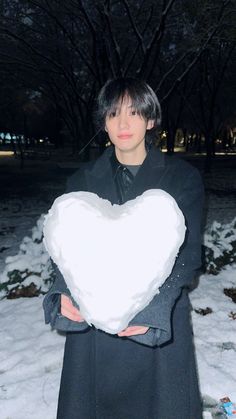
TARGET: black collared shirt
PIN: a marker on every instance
(123, 177)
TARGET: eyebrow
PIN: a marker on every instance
(118, 106)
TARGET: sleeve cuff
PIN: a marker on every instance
(153, 337)
(51, 305)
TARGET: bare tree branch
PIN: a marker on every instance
(134, 26)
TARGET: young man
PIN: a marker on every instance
(148, 370)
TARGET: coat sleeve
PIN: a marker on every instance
(52, 300)
(157, 315)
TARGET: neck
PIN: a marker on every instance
(131, 158)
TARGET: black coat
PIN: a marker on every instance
(150, 376)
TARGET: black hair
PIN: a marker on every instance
(143, 98)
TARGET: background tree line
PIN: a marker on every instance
(56, 55)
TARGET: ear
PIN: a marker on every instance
(150, 124)
(105, 128)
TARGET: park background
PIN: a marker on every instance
(54, 58)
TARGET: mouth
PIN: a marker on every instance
(124, 136)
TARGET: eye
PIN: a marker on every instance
(133, 112)
(112, 114)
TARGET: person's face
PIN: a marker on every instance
(126, 129)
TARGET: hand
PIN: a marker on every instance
(134, 330)
(70, 311)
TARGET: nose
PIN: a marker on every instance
(123, 120)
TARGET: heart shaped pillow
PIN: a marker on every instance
(114, 258)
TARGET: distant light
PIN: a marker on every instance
(6, 153)
(41, 141)
(180, 150)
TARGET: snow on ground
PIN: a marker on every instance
(215, 334)
(31, 358)
(31, 354)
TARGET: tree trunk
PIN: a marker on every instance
(171, 141)
(208, 142)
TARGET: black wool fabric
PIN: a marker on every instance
(149, 376)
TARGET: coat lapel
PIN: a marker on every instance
(100, 179)
(150, 175)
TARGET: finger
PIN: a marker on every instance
(65, 299)
(71, 316)
(69, 311)
(67, 304)
(133, 330)
(70, 308)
